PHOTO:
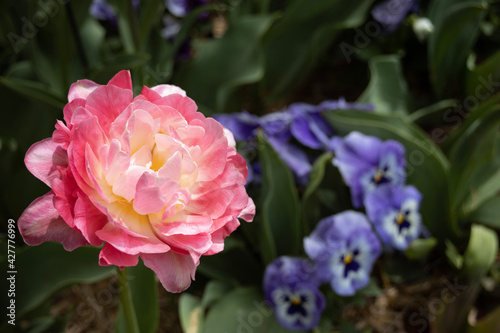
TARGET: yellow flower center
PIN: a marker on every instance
(400, 219)
(378, 176)
(295, 300)
(347, 259)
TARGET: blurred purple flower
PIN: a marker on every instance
(291, 289)
(391, 13)
(181, 8)
(394, 211)
(300, 121)
(344, 248)
(101, 10)
(367, 162)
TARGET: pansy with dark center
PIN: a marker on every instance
(344, 248)
(291, 289)
(366, 162)
(394, 211)
(286, 131)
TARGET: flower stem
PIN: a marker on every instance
(126, 301)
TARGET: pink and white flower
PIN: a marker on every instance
(148, 176)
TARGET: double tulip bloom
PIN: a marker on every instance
(148, 176)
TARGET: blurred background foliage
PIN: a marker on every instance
(435, 91)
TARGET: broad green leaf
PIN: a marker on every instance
(427, 167)
(387, 89)
(280, 210)
(93, 35)
(455, 32)
(432, 114)
(474, 146)
(455, 258)
(103, 71)
(420, 248)
(47, 268)
(222, 65)
(213, 292)
(243, 267)
(34, 90)
(144, 288)
(191, 313)
(481, 252)
(306, 29)
(488, 213)
(242, 310)
(482, 80)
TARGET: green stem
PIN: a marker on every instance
(126, 301)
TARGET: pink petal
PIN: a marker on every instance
(196, 245)
(81, 89)
(41, 222)
(122, 80)
(213, 203)
(66, 191)
(125, 242)
(107, 102)
(43, 159)
(88, 219)
(111, 256)
(70, 108)
(153, 193)
(248, 212)
(174, 270)
(230, 224)
(126, 184)
(168, 89)
(187, 224)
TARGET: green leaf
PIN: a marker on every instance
(315, 178)
(34, 90)
(427, 167)
(481, 252)
(144, 288)
(47, 268)
(474, 146)
(304, 32)
(453, 256)
(213, 292)
(242, 310)
(455, 31)
(432, 114)
(191, 313)
(420, 248)
(488, 213)
(244, 268)
(482, 80)
(281, 229)
(387, 89)
(222, 65)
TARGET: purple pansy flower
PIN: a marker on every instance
(300, 123)
(391, 13)
(367, 162)
(344, 248)
(394, 211)
(102, 10)
(181, 8)
(291, 289)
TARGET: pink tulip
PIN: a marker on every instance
(148, 176)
